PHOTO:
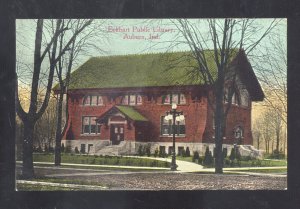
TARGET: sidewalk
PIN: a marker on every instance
(183, 166)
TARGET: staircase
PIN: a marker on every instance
(114, 150)
(249, 150)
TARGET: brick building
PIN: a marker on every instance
(117, 103)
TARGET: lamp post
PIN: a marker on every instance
(173, 115)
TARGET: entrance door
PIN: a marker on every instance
(116, 133)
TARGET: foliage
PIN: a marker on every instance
(103, 160)
(195, 156)
(187, 152)
(225, 152)
(156, 152)
(162, 153)
(76, 150)
(140, 151)
(208, 158)
(148, 150)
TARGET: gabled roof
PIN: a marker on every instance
(129, 112)
(153, 70)
(139, 70)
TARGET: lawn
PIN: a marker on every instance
(101, 160)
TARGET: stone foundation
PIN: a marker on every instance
(93, 146)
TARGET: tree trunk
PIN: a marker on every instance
(27, 169)
(219, 120)
(58, 130)
(277, 141)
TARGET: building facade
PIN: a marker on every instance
(118, 103)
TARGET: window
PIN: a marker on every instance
(176, 98)
(92, 100)
(234, 98)
(167, 128)
(132, 99)
(245, 98)
(90, 126)
(238, 132)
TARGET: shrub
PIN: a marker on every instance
(46, 148)
(187, 152)
(195, 156)
(141, 151)
(232, 154)
(156, 152)
(39, 149)
(76, 150)
(148, 153)
(208, 158)
(162, 153)
(62, 147)
(224, 152)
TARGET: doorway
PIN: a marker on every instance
(116, 133)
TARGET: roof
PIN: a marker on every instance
(139, 70)
(129, 112)
(152, 70)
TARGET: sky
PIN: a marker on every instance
(134, 36)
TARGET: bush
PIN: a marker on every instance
(156, 152)
(39, 149)
(141, 151)
(76, 150)
(208, 158)
(187, 152)
(46, 148)
(162, 153)
(148, 152)
(232, 154)
(224, 153)
(195, 156)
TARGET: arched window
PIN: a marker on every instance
(132, 99)
(87, 100)
(245, 98)
(92, 100)
(238, 134)
(176, 98)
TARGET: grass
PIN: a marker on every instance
(267, 170)
(32, 187)
(104, 168)
(101, 160)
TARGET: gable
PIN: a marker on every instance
(147, 70)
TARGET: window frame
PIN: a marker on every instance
(126, 99)
(91, 99)
(171, 96)
(170, 128)
(90, 133)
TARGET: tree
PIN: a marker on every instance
(271, 65)
(224, 36)
(44, 45)
(256, 130)
(64, 67)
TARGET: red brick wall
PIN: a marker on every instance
(198, 119)
(237, 116)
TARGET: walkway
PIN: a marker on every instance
(183, 166)
(72, 186)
